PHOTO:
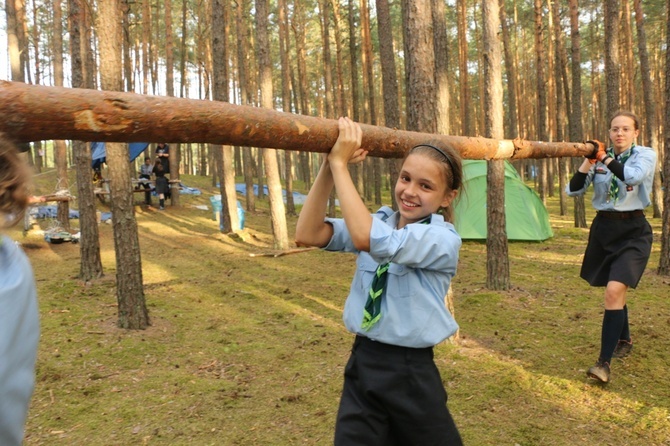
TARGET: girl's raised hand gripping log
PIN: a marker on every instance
(312, 229)
(347, 148)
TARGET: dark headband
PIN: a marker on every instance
(446, 157)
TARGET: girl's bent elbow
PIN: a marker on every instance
(362, 245)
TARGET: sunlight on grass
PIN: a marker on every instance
(249, 350)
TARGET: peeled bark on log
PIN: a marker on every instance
(35, 112)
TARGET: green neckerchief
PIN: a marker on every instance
(372, 312)
(614, 185)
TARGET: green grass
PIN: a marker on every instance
(250, 350)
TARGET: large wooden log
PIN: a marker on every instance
(34, 113)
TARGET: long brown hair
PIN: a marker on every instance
(14, 184)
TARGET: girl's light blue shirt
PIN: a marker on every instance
(634, 193)
(19, 334)
(423, 260)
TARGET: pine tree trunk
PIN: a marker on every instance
(89, 243)
(133, 313)
(512, 130)
(559, 57)
(576, 129)
(169, 50)
(466, 120)
(612, 66)
(664, 259)
(421, 112)
(277, 209)
(341, 105)
(541, 86)
(650, 127)
(60, 147)
(146, 37)
(223, 154)
(628, 87)
(497, 255)
(389, 81)
(284, 41)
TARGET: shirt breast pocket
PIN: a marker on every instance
(396, 278)
(398, 281)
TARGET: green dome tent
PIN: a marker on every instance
(527, 218)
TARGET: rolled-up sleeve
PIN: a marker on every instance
(341, 240)
(643, 167)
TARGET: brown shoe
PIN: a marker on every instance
(600, 371)
(622, 349)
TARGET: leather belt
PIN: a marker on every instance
(621, 215)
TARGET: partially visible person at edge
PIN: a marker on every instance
(620, 237)
(19, 316)
(146, 170)
(393, 393)
(161, 183)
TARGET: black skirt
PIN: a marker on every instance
(162, 185)
(618, 249)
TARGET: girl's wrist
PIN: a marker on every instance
(336, 164)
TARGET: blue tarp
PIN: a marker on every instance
(98, 152)
(51, 211)
(298, 198)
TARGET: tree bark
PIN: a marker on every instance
(89, 243)
(324, 6)
(575, 121)
(466, 120)
(542, 133)
(612, 66)
(389, 81)
(442, 81)
(560, 62)
(341, 106)
(169, 50)
(31, 112)
(421, 113)
(13, 42)
(664, 260)
(284, 42)
(497, 254)
(512, 130)
(277, 209)
(650, 127)
(626, 46)
(133, 313)
(60, 147)
(357, 170)
(146, 38)
(223, 154)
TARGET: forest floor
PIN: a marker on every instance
(249, 350)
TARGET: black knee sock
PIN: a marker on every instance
(625, 332)
(161, 202)
(613, 321)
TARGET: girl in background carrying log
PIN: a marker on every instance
(19, 317)
(620, 238)
(393, 393)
